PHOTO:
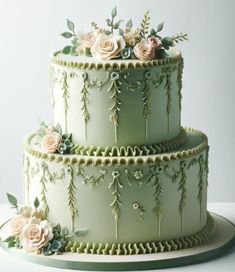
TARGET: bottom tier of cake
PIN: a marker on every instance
(124, 205)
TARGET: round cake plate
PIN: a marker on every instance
(223, 240)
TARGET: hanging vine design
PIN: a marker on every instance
(180, 176)
(180, 85)
(114, 89)
(130, 85)
(148, 83)
(168, 87)
(115, 186)
(45, 178)
(71, 190)
(202, 167)
(65, 96)
(27, 178)
(141, 211)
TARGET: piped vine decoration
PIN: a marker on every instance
(202, 167)
(168, 86)
(180, 176)
(71, 191)
(115, 186)
(148, 83)
(84, 101)
(137, 177)
(131, 86)
(45, 178)
(27, 178)
(91, 180)
(141, 211)
(180, 85)
(65, 95)
(114, 89)
(142, 43)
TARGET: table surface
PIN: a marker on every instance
(225, 263)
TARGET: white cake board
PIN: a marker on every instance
(223, 240)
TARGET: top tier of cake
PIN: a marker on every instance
(117, 102)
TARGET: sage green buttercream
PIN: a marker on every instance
(116, 102)
(99, 193)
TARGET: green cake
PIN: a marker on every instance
(115, 173)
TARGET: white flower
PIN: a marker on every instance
(26, 211)
(35, 235)
(50, 142)
(17, 224)
(107, 47)
(145, 50)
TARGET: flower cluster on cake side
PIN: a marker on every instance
(30, 230)
(53, 140)
(115, 42)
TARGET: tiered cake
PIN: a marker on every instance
(126, 177)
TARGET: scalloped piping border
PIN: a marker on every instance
(86, 160)
(144, 150)
(106, 66)
(147, 247)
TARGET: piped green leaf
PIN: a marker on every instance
(36, 203)
(80, 232)
(129, 24)
(64, 232)
(114, 12)
(9, 239)
(58, 128)
(12, 200)
(160, 27)
(67, 35)
(70, 25)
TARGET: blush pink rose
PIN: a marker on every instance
(87, 39)
(35, 235)
(17, 224)
(145, 50)
(50, 142)
(155, 42)
(107, 47)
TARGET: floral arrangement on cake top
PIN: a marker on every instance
(52, 140)
(115, 42)
(30, 230)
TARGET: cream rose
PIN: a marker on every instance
(35, 236)
(107, 47)
(87, 39)
(50, 142)
(17, 224)
(132, 37)
(145, 50)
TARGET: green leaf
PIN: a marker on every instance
(109, 22)
(129, 24)
(36, 203)
(121, 32)
(70, 25)
(12, 200)
(67, 35)
(160, 27)
(9, 239)
(64, 232)
(58, 127)
(167, 42)
(73, 51)
(80, 232)
(114, 12)
(11, 244)
(57, 228)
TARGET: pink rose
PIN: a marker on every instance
(145, 50)
(50, 142)
(107, 47)
(87, 39)
(35, 235)
(155, 42)
(49, 130)
(17, 224)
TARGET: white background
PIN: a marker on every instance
(29, 31)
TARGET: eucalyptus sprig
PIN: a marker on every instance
(144, 25)
(70, 49)
(111, 23)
